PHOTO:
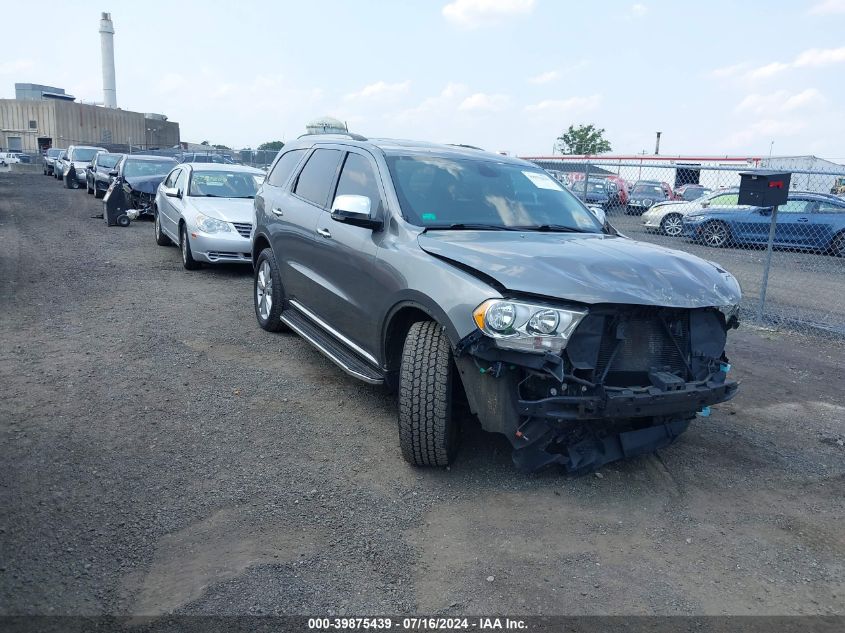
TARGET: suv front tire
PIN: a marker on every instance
(267, 292)
(428, 433)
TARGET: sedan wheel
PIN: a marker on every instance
(838, 246)
(188, 260)
(715, 234)
(672, 225)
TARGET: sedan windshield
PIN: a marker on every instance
(592, 187)
(648, 190)
(84, 154)
(108, 160)
(224, 184)
(439, 192)
(149, 168)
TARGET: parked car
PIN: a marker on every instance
(618, 189)
(207, 209)
(808, 221)
(74, 164)
(597, 192)
(59, 164)
(462, 276)
(199, 157)
(97, 178)
(137, 177)
(9, 158)
(50, 157)
(688, 193)
(646, 193)
(667, 217)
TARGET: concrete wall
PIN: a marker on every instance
(68, 123)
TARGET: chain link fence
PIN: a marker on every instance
(789, 260)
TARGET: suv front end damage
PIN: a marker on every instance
(626, 380)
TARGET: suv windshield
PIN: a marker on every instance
(52, 153)
(439, 192)
(134, 168)
(223, 184)
(84, 154)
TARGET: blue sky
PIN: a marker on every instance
(715, 78)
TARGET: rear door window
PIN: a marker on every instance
(284, 167)
(317, 177)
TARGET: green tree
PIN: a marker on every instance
(221, 147)
(274, 146)
(205, 143)
(583, 139)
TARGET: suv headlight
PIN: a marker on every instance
(211, 225)
(527, 327)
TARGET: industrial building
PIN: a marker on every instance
(41, 117)
(33, 126)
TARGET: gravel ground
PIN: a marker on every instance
(163, 454)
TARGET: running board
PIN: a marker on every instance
(336, 352)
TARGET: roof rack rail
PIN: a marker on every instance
(352, 135)
(464, 145)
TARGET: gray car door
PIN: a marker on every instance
(344, 283)
(296, 210)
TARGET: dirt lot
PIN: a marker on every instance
(161, 453)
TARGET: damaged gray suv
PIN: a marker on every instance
(468, 280)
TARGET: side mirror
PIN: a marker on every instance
(355, 210)
(705, 203)
(599, 213)
(113, 173)
(171, 192)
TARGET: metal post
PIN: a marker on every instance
(765, 281)
(586, 177)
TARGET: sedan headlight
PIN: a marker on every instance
(527, 327)
(211, 225)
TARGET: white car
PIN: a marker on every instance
(667, 217)
(78, 157)
(7, 158)
(207, 209)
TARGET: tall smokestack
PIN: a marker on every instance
(107, 52)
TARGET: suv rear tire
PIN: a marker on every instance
(428, 432)
(267, 286)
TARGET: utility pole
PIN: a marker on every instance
(657, 144)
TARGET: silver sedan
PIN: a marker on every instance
(206, 208)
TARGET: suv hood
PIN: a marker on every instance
(587, 268)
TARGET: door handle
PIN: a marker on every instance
(803, 220)
(325, 233)
(278, 212)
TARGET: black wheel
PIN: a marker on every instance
(428, 432)
(71, 182)
(715, 234)
(123, 220)
(837, 246)
(88, 189)
(98, 193)
(45, 171)
(161, 238)
(267, 295)
(188, 260)
(672, 225)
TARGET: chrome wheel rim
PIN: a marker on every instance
(714, 234)
(157, 229)
(264, 291)
(184, 247)
(673, 225)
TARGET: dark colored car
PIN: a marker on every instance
(199, 157)
(597, 192)
(468, 280)
(646, 193)
(97, 178)
(50, 157)
(688, 193)
(138, 177)
(808, 221)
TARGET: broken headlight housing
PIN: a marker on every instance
(527, 327)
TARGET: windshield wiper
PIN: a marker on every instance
(469, 226)
(553, 228)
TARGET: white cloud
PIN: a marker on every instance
(565, 107)
(480, 102)
(780, 101)
(544, 78)
(379, 89)
(828, 7)
(769, 70)
(475, 13)
(820, 57)
(728, 71)
(15, 66)
(765, 129)
(638, 10)
(446, 101)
